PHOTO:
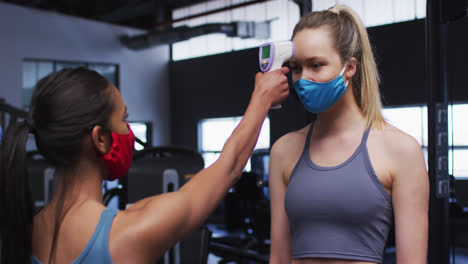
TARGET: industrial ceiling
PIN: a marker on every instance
(143, 14)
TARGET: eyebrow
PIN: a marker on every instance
(311, 59)
(316, 58)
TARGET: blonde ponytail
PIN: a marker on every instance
(368, 83)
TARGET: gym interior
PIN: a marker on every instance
(186, 71)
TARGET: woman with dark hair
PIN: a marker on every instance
(79, 123)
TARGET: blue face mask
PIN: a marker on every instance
(319, 97)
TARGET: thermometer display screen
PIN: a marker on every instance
(265, 52)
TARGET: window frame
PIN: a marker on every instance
(266, 125)
(85, 64)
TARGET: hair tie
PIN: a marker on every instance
(334, 10)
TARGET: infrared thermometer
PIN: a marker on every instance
(272, 55)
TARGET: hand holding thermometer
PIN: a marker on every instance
(272, 55)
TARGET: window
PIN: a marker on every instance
(33, 71)
(213, 133)
(36, 69)
(142, 131)
(413, 120)
(285, 14)
(410, 120)
(375, 13)
(458, 140)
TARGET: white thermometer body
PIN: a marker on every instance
(272, 55)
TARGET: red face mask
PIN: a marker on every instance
(119, 159)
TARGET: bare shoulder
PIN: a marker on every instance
(285, 153)
(290, 143)
(140, 217)
(403, 153)
(144, 230)
(397, 143)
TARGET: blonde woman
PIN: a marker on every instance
(339, 184)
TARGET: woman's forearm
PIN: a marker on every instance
(206, 189)
(240, 145)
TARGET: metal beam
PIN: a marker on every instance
(231, 7)
(242, 29)
(129, 12)
(453, 10)
(305, 6)
(436, 77)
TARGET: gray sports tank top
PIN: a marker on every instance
(338, 212)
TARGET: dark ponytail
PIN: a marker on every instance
(65, 106)
(16, 205)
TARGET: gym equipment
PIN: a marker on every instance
(272, 55)
(158, 170)
(41, 178)
(247, 214)
(438, 14)
(260, 164)
(14, 114)
(236, 254)
(458, 214)
(194, 248)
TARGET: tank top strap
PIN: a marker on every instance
(309, 134)
(97, 249)
(107, 216)
(365, 136)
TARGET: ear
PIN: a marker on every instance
(351, 68)
(101, 139)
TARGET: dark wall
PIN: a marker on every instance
(401, 58)
(458, 60)
(213, 86)
(221, 85)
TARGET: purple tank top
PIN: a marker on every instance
(338, 212)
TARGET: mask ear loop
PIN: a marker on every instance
(342, 71)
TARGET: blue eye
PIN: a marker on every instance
(126, 116)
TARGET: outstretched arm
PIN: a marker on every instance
(148, 228)
(280, 250)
